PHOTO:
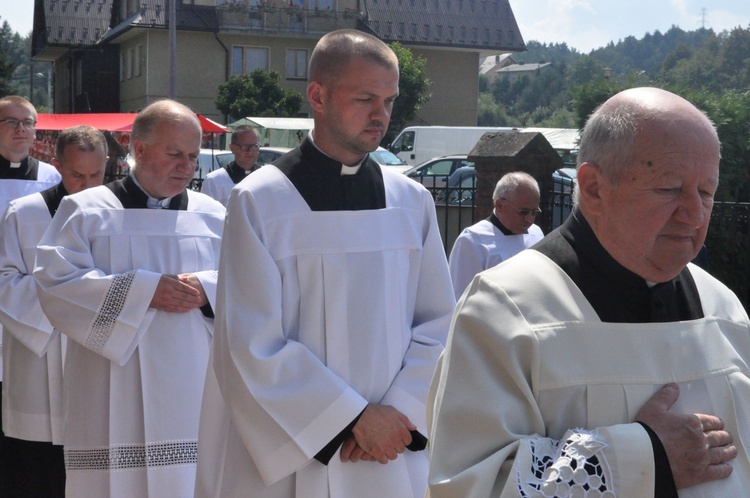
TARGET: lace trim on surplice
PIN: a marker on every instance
(110, 309)
(162, 454)
(576, 467)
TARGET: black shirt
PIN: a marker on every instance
(27, 171)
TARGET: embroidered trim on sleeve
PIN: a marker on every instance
(133, 456)
(110, 309)
(573, 468)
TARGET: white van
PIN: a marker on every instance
(417, 144)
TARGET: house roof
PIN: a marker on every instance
(72, 22)
(482, 24)
(88, 22)
(495, 62)
(473, 24)
(521, 68)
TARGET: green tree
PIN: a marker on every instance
(491, 113)
(257, 93)
(6, 66)
(412, 89)
(6, 72)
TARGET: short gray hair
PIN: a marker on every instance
(609, 136)
(243, 129)
(510, 182)
(165, 109)
(83, 137)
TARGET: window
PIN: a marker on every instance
(127, 64)
(137, 61)
(79, 77)
(247, 59)
(322, 5)
(296, 63)
(405, 142)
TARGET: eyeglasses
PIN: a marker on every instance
(13, 123)
(524, 212)
(248, 148)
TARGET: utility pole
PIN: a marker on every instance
(703, 18)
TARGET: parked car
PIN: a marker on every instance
(270, 154)
(460, 188)
(384, 157)
(563, 185)
(434, 173)
(211, 159)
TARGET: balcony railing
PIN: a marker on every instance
(268, 18)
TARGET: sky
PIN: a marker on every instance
(582, 24)
(590, 24)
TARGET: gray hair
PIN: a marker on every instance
(243, 129)
(161, 110)
(609, 136)
(83, 137)
(510, 182)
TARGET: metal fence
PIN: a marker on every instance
(455, 205)
(727, 241)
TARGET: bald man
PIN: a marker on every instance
(601, 360)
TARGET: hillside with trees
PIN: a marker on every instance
(712, 70)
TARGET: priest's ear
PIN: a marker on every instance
(316, 95)
(591, 186)
(139, 146)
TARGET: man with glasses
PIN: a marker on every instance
(32, 348)
(20, 175)
(507, 231)
(245, 145)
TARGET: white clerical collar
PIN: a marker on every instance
(345, 170)
(15, 165)
(152, 202)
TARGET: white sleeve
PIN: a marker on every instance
(488, 436)
(20, 311)
(465, 262)
(208, 187)
(258, 370)
(105, 313)
(430, 324)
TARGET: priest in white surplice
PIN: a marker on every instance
(600, 362)
(507, 231)
(333, 306)
(33, 350)
(127, 271)
(245, 145)
(20, 175)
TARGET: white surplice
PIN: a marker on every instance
(320, 312)
(32, 349)
(133, 375)
(482, 246)
(47, 177)
(218, 185)
(536, 396)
